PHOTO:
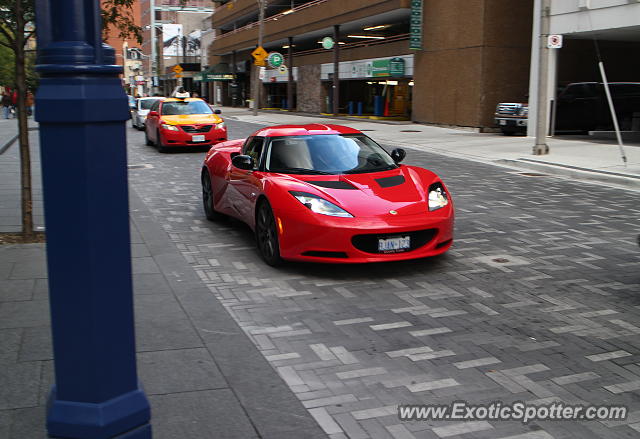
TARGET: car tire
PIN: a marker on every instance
(147, 140)
(207, 198)
(267, 235)
(159, 145)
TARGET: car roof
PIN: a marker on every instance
(182, 99)
(313, 129)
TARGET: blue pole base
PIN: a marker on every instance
(124, 417)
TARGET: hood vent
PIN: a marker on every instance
(335, 184)
(396, 180)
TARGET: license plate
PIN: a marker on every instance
(394, 245)
(198, 138)
(503, 122)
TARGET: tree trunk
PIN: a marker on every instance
(23, 129)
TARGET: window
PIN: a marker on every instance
(173, 108)
(155, 106)
(254, 150)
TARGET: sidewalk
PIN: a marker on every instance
(570, 156)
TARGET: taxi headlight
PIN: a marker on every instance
(169, 127)
(220, 126)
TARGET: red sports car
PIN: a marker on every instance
(180, 122)
(327, 193)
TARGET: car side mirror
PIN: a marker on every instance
(398, 155)
(217, 112)
(153, 113)
(243, 162)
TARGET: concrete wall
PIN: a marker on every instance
(309, 88)
(475, 54)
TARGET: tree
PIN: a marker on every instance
(17, 20)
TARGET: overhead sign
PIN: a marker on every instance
(328, 43)
(259, 56)
(554, 41)
(275, 59)
(387, 67)
(177, 69)
(415, 27)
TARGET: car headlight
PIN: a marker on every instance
(319, 205)
(169, 127)
(437, 197)
(220, 126)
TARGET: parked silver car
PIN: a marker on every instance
(140, 109)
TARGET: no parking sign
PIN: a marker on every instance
(554, 41)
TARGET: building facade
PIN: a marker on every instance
(593, 31)
(431, 61)
(171, 36)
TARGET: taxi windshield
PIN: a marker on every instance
(174, 108)
(327, 154)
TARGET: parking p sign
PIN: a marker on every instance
(554, 41)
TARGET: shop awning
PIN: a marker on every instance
(219, 72)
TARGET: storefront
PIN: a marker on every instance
(379, 86)
(275, 82)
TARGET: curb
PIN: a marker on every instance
(7, 145)
(628, 181)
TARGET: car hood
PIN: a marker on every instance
(403, 190)
(186, 119)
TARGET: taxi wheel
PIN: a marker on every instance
(267, 235)
(147, 139)
(159, 145)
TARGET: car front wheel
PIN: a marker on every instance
(267, 235)
(147, 139)
(159, 145)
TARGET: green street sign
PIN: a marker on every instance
(328, 43)
(275, 60)
(415, 26)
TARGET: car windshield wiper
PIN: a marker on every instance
(300, 171)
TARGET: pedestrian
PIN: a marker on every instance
(6, 104)
(29, 103)
(14, 103)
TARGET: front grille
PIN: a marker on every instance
(196, 129)
(509, 109)
(321, 254)
(369, 243)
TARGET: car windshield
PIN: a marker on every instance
(173, 108)
(327, 154)
(145, 104)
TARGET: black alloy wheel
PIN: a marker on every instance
(207, 198)
(267, 235)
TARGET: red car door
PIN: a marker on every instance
(247, 184)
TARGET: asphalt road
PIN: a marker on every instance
(538, 301)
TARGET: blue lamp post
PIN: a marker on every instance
(82, 109)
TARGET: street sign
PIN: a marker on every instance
(328, 43)
(283, 69)
(259, 54)
(554, 41)
(262, 73)
(275, 59)
(177, 68)
(178, 75)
